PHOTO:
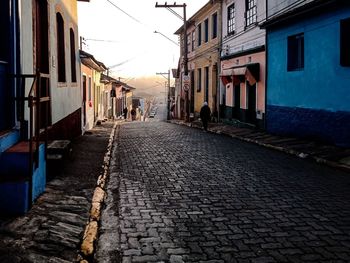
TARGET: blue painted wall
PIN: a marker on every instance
(304, 102)
(39, 175)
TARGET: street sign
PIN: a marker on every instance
(186, 81)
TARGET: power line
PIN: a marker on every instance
(121, 10)
(175, 13)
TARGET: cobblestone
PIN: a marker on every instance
(53, 229)
(189, 196)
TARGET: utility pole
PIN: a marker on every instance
(167, 76)
(185, 51)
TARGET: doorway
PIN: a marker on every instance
(6, 63)
(84, 101)
(237, 101)
(41, 56)
(251, 114)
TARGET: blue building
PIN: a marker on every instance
(22, 153)
(308, 61)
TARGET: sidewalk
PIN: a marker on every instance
(327, 154)
(52, 231)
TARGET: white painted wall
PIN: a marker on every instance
(244, 38)
(66, 97)
(276, 7)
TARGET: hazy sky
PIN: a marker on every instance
(129, 42)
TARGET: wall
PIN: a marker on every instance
(88, 108)
(276, 7)
(207, 55)
(66, 97)
(244, 38)
(313, 102)
(258, 57)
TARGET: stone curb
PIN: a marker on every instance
(87, 248)
(301, 155)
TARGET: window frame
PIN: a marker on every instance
(296, 52)
(73, 56)
(214, 27)
(61, 54)
(231, 21)
(199, 79)
(345, 42)
(206, 83)
(206, 30)
(90, 88)
(193, 35)
(199, 30)
(251, 14)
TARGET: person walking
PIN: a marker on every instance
(133, 114)
(205, 115)
(125, 112)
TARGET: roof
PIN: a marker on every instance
(108, 79)
(88, 60)
(297, 11)
(191, 20)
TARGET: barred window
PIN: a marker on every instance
(231, 24)
(251, 13)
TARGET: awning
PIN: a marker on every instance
(249, 72)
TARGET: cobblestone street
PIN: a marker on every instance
(178, 194)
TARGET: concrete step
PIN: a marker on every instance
(8, 139)
(17, 181)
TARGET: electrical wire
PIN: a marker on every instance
(121, 10)
(175, 13)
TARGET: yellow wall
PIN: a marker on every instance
(207, 55)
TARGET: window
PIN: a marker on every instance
(296, 52)
(199, 79)
(206, 84)
(61, 64)
(231, 24)
(89, 87)
(206, 30)
(199, 34)
(72, 56)
(345, 42)
(251, 13)
(193, 40)
(5, 19)
(188, 42)
(214, 26)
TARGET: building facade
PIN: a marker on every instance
(308, 47)
(203, 44)
(39, 91)
(242, 93)
(93, 102)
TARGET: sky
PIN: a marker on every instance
(125, 40)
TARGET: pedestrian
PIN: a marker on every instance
(125, 112)
(205, 115)
(133, 114)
